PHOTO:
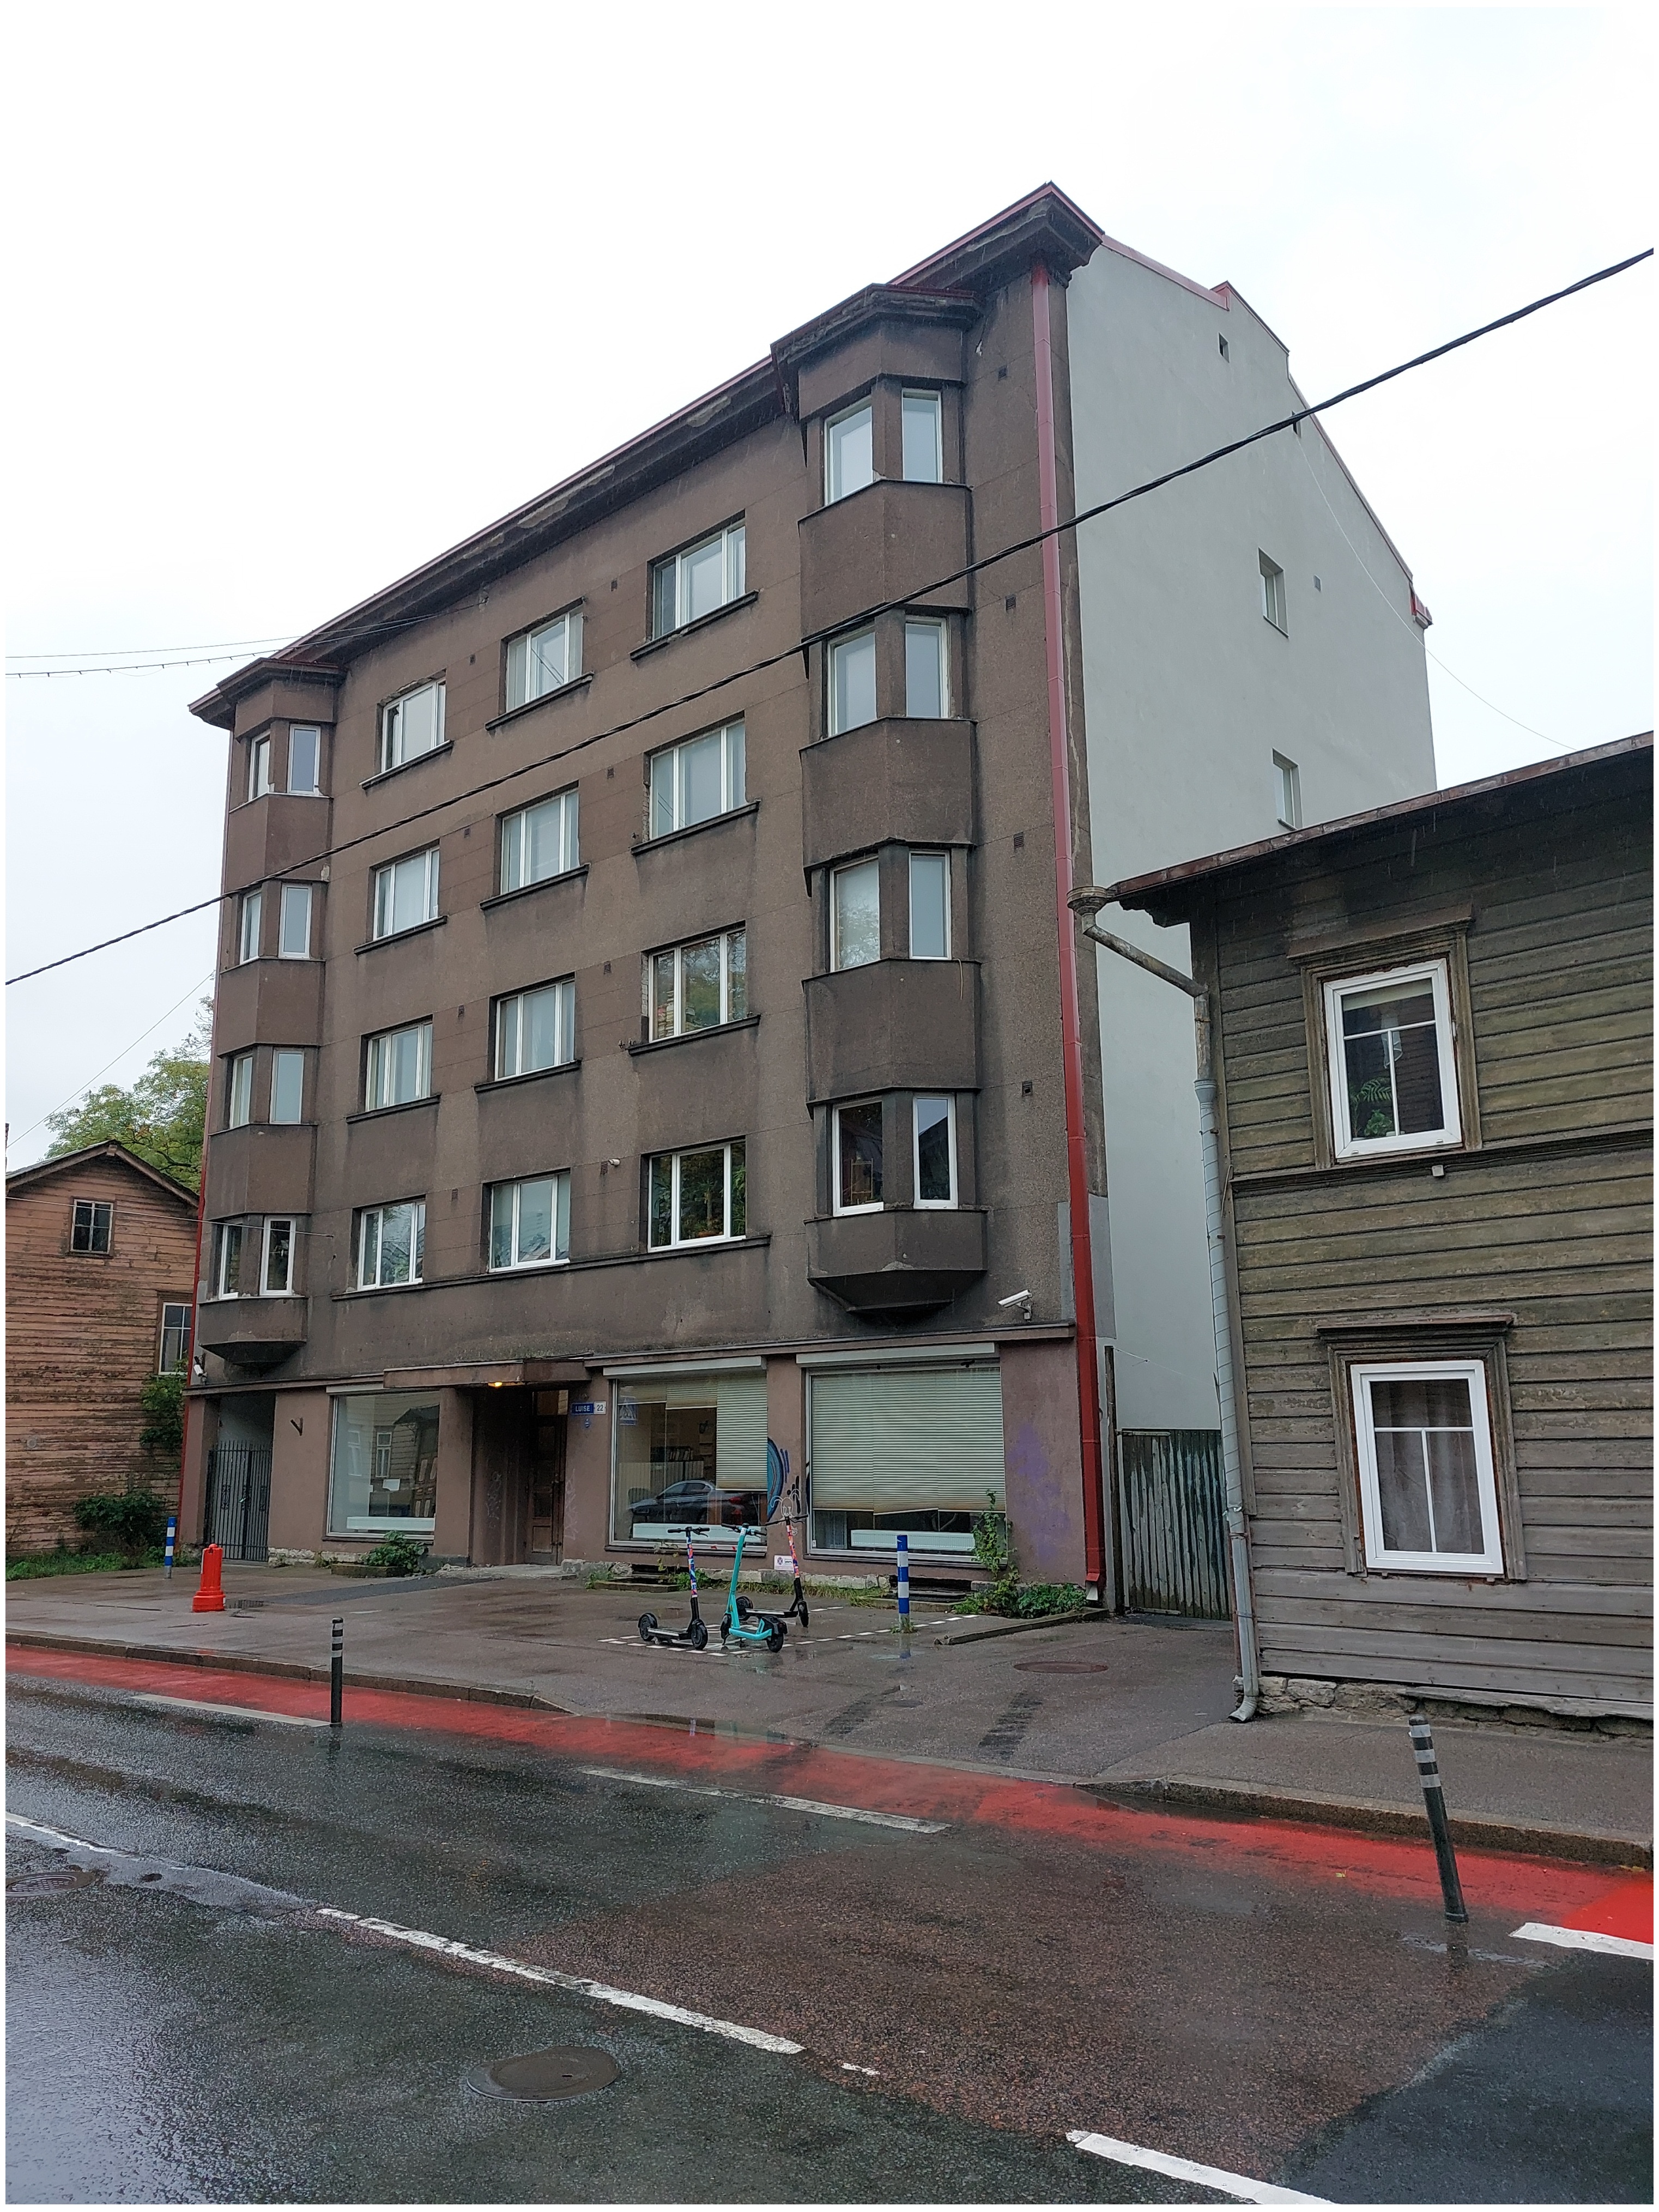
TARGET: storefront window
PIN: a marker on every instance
(689, 1452)
(917, 1448)
(384, 1473)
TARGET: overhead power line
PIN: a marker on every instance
(867, 614)
(193, 645)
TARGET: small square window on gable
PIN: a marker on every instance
(90, 1224)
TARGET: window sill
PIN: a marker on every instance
(401, 936)
(403, 1106)
(1423, 1146)
(530, 1268)
(688, 629)
(702, 1244)
(381, 1290)
(402, 768)
(694, 829)
(231, 1128)
(544, 699)
(541, 883)
(690, 1037)
(535, 1075)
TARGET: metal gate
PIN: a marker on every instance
(239, 1499)
(1175, 1536)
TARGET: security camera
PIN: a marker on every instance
(1020, 1302)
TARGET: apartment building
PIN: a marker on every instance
(650, 1023)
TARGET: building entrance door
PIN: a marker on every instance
(548, 1412)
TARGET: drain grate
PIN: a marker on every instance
(1060, 1667)
(549, 2077)
(54, 1882)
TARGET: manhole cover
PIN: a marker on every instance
(1060, 1667)
(547, 2077)
(52, 1883)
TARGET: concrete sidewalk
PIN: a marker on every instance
(1135, 1712)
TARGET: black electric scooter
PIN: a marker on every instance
(694, 1635)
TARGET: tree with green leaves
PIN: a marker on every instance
(161, 1118)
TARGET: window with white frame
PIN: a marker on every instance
(855, 915)
(407, 893)
(694, 781)
(398, 1069)
(175, 1350)
(1428, 1488)
(926, 670)
(288, 1083)
(935, 1161)
(530, 1222)
(238, 1091)
(294, 923)
(247, 939)
(276, 1273)
(858, 1157)
(90, 1222)
(535, 1030)
(848, 452)
(1393, 1077)
(1287, 792)
(411, 725)
(305, 752)
(259, 768)
(699, 986)
(930, 906)
(544, 659)
(923, 438)
(852, 682)
(705, 577)
(391, 1246)
(539, 842)
(694, 1196)
(1273, 592)
(227, 1259)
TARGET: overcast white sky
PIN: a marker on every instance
(301, 295)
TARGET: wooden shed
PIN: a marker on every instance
(100, 1256)
(1435, 1063)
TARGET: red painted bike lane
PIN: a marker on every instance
(1552, 1892)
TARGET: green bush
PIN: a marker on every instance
(993, 1549)
(136, 1520)
(1037, 1598)
(399, 1555)
(163, 1398)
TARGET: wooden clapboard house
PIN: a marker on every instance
(1435, 1059)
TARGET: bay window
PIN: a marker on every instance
(926, 670)
(227, 1279)
(293, 922)
(923, 438)
(240, 1091)
(935, 1161)
(247, 941)
(930, 906)
(848, 452)
(858, 1157)
(305, 747)
(852, 682)
(277, 1275)
(288, 1083)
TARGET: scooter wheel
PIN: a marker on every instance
(775, 1636)
(647, 1622)
(744, 1608)
(804, 1615)
(699, 1636)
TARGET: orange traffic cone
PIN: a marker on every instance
(211, 1597)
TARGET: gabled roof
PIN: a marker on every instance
(1168, 891)
(42, 1170)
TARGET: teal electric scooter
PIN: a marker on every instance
(741, 1624)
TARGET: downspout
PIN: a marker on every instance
(1077, 1161)
(195, 1294)
(1086, 902)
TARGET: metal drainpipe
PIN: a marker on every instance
(1085, 902)
(1076, 1163)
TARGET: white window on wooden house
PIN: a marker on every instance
(705, 577)
(1393, 1077)
(410, 725)
(90, 1224)
(175, 1337)
(1428, 1491)
(544, 659)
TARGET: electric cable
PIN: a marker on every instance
(917, 594)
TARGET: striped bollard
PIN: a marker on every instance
(336, 1677)
(904, 1583)
(172, 1531)
(1434, 1798)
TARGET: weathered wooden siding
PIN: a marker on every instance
(1550, 1220)
(82, 1336)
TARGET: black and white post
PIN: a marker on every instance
(336, 1677)
(1434, 1798)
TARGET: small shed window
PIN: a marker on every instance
(90, 1227)
(1427, 1491)
(1394, 1081)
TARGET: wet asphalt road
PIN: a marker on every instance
(205, 2034)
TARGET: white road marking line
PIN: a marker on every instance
(445, 1947)
(238, 1713)
(789, 1804)
(848, 2067)
(1186, 2169)
(1582, 1939)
